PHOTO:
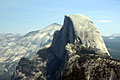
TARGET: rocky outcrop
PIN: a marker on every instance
(84, 66)
(32, 69)
(61, 60)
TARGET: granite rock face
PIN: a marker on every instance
(78, 29)
(77, 47)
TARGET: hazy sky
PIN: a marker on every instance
(22, 16)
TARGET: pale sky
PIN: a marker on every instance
(23, 16)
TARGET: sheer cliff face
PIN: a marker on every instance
(78, 29)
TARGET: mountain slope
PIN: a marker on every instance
(14, 47)
(8, 39)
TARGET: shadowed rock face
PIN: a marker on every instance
(51, 63)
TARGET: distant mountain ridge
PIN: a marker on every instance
(112, 38)
(113, 44)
